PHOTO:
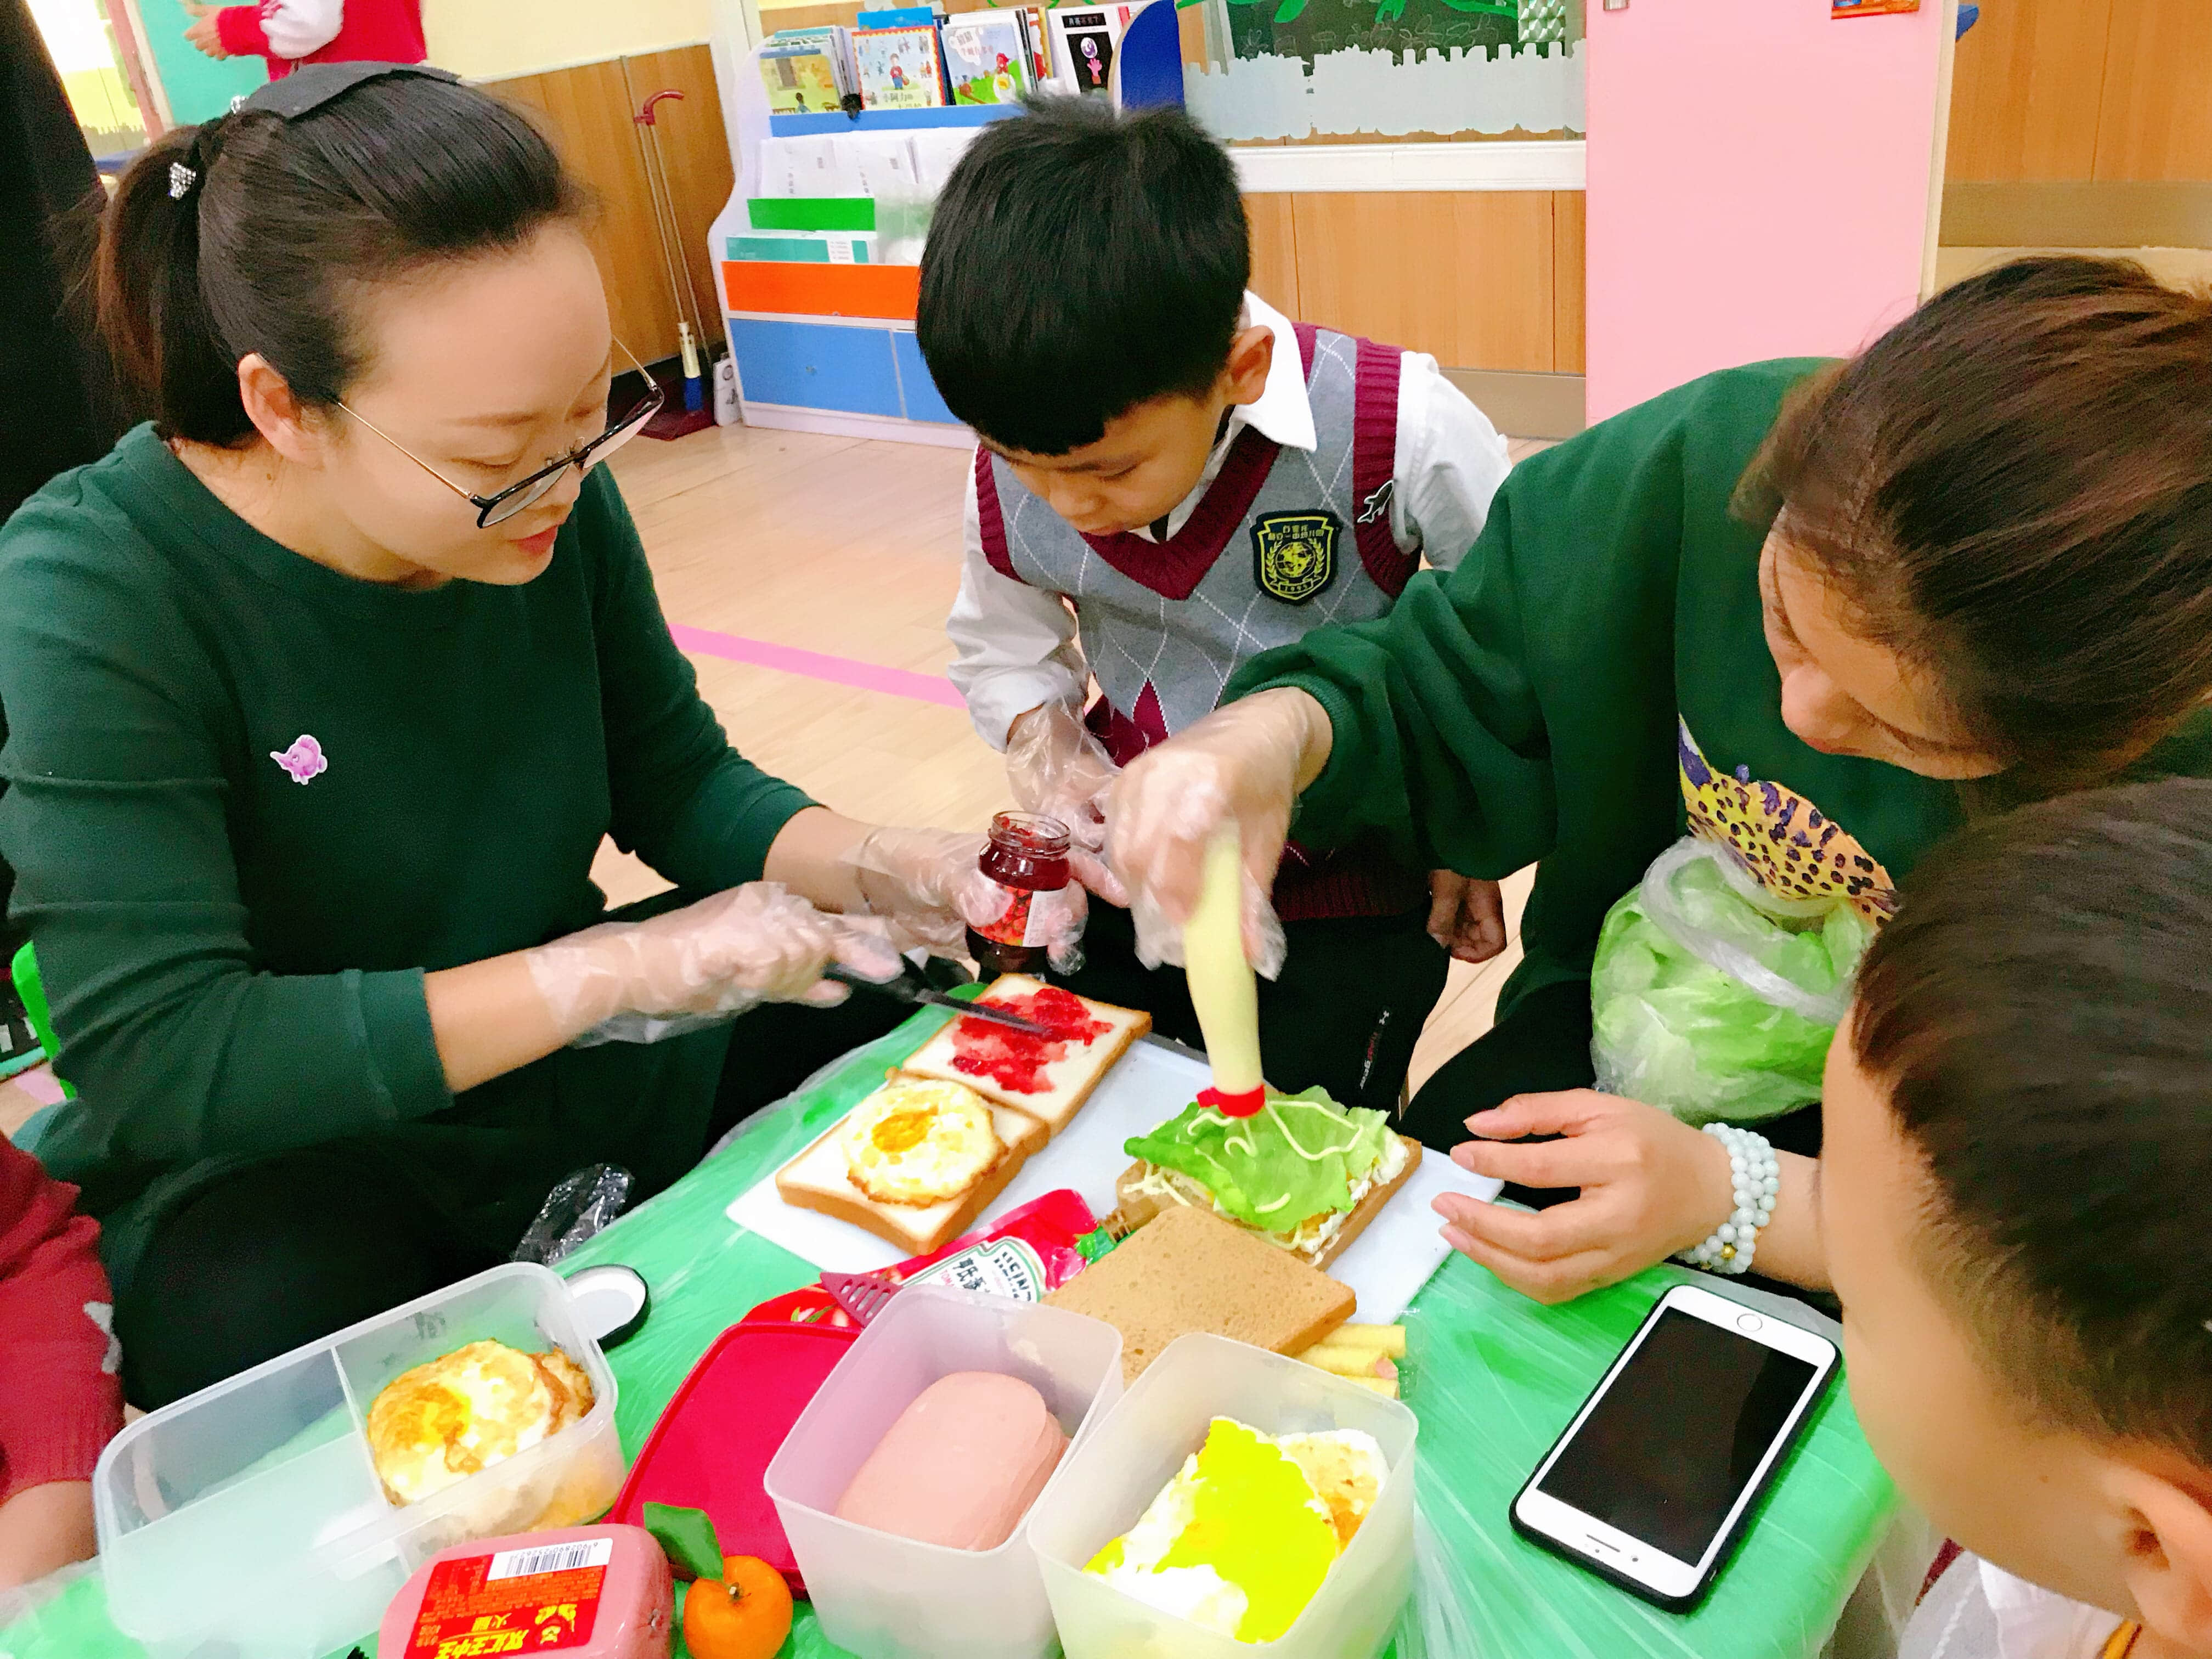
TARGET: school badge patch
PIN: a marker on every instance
(1294, 555)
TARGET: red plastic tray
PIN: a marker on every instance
(712, 1447)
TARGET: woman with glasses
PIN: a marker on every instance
(323, 689)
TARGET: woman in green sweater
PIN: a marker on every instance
(322, 691)
(1813, 612)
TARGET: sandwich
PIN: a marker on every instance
(1045, 1077)
(1306, 1175)
(914, 1164)
(1191, 1271)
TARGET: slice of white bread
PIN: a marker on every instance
(1191, 1271)
(1070, 1080)
(820, 1179)
(1139, 1207)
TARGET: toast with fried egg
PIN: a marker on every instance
(914, 1164)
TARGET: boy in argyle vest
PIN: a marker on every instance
(1172, 477)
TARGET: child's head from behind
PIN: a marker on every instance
(1081, 300)
(2014, 1187)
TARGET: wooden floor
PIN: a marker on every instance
(851, 549)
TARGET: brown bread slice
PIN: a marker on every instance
(1191, 1271)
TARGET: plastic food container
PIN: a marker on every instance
(1107, 1482)
(249, 1517)
(886, 1597)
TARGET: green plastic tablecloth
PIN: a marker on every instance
(1493, 1378)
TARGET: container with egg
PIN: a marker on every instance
(1234, 1505)
(904, 1486)
(274, 1515)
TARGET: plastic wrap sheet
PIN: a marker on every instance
(1493, 1378)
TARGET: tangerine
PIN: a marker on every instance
(744, 1614)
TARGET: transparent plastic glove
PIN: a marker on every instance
(1243, 763)
(640, 982)
(1057, 768)
(925, 886)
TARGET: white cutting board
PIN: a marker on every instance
(1386, 1266)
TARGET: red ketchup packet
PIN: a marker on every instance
(1028, 1252)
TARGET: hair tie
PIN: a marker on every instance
(181, 179)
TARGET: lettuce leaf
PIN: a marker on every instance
(1298, 1157)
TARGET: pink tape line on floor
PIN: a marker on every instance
(39, 1082)
(815, 666)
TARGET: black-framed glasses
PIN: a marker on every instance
(528, 492)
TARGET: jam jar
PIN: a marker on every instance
(1026, 854)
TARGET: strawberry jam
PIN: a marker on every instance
(1015, 1060)
(1026, 854)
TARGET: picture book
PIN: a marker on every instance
(986, 57)
(803, 73)
(1083, 42)
(1040, 43)
(899, 68)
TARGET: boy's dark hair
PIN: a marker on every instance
(288, 220)
(1081, 262)
(2040, 1012)
(2014, 488)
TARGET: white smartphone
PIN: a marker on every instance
(1652, 1481)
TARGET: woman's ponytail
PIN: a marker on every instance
(256, 232)
(152, 312)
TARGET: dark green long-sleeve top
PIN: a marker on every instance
(1523, 708)
(234, 955)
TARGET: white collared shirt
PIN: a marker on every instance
(1015, 647)
(1976, 1611)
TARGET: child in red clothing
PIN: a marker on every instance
(61, 1391)
(290, 33)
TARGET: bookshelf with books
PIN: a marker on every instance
(820, 249)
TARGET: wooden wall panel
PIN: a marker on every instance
(586, 112)
(2113, 90)
(1275, 251)
(1570, 302)
(2025, 89)
(695, 152)
(839, 12)
(1467, 275)
(2154, 119)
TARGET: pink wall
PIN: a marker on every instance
(1759, 179)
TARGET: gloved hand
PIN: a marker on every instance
(643, 981)
(1057, 768)
(925, 886)
(1245, 762)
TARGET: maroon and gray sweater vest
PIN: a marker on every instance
(1281, 543)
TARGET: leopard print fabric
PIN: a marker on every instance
(1781, 837)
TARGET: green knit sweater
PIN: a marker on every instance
(251, 801)
(1533, 706)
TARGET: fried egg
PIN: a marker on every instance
(435, 1425)
(921, 1141)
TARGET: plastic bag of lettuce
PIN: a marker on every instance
(1713, 998)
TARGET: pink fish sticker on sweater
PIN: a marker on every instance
(304, 760)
